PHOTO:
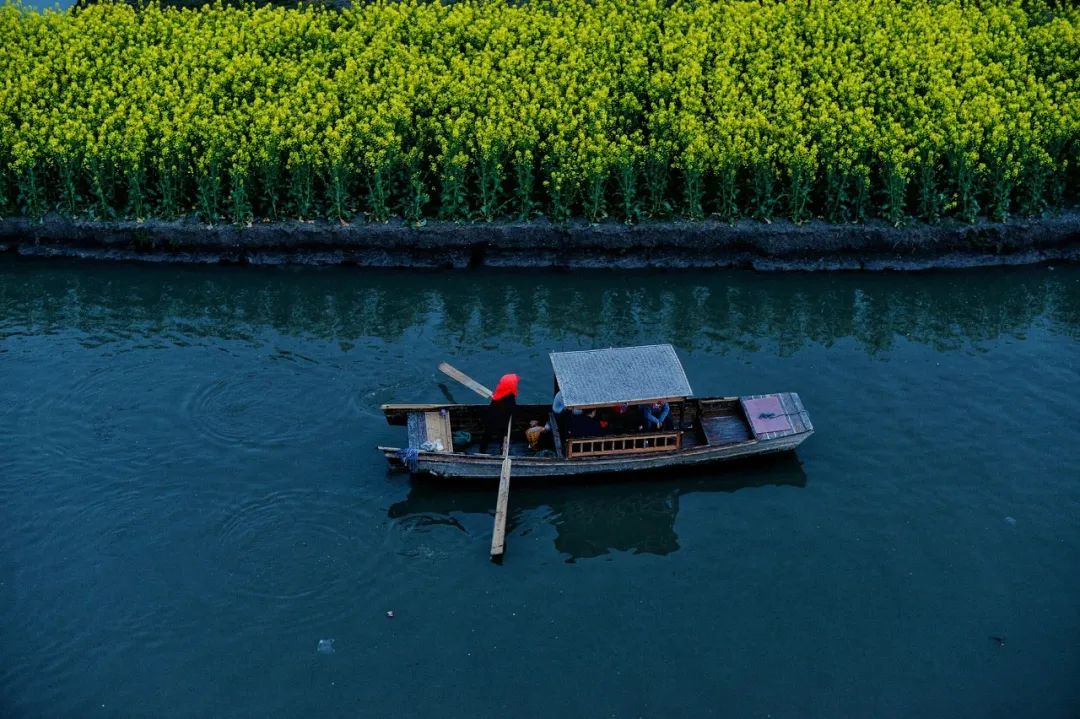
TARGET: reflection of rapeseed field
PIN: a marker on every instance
(484, 109)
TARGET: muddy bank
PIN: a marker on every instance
(777, 246)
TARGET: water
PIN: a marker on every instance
(191, 501)
(43, 5)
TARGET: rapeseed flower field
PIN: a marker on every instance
(485, 109)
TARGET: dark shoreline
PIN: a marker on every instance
(781, 245)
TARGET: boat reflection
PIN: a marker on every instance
(591, 520)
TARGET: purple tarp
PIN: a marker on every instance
(766, 415)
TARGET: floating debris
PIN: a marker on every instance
(325, 646)
(1010, 521)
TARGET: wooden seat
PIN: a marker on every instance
(430, 427)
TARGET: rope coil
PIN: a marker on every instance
(410, 456)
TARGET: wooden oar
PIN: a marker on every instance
(498, 535)
(465, 380)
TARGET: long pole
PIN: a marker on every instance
(498, 535)
(465, 379)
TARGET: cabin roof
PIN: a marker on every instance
(594, 378)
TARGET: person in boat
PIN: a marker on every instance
(656, 416)
(499, 412)
(534, 435)
(611, 422)
(583, 424)
(558, 408)
(623, 419)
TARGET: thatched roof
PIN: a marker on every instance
(594, 378)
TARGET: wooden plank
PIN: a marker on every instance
(420, 407)
(725, 429)
(498, 534)
(717, 400)
(555, 434)
(397, 414)
(789, 410)
(438, 429)
(795, 412)
(465, 379)
(796, 422)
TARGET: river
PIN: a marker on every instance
(191, 499)
(43, 5)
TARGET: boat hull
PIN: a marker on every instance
(487, 467)
(712, 429)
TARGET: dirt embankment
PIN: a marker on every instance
(778, 246)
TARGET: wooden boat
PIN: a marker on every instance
(704, 430)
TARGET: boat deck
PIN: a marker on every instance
(715, 423)
(725, 429)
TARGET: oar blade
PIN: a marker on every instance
(465, 379)
(498, 536)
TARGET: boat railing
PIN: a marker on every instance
(623, 444)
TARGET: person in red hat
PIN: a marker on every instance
(501, 409)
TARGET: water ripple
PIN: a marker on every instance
(256, 408)
(300, 546)
(86, 419)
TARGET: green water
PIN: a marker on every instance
(190, 500)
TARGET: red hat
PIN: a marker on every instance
(508, 384)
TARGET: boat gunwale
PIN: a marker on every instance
(462, 465)
(497, 459)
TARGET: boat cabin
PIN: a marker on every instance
(605, 391)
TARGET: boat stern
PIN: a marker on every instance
(777, 416)
(398, 458)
